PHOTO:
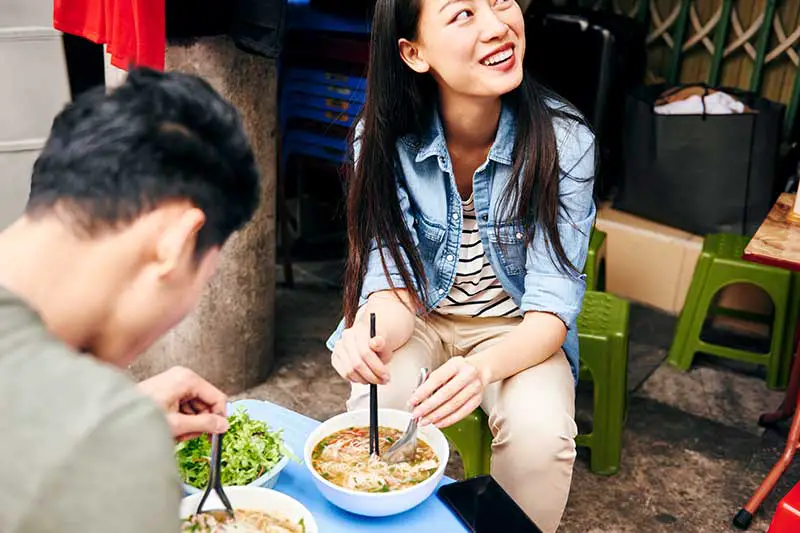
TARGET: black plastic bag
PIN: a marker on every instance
(701, 173)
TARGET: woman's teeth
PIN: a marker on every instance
(499, 57)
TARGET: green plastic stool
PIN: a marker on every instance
(595, 271)
(603, 336)
(473, 440)
(603, 333)
(595, 268)
(720, 265)
(792, 318)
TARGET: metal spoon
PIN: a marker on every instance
(404, 450)
(215, 480)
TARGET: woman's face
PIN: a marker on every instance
(472, 47)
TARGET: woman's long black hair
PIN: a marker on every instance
(400, 102)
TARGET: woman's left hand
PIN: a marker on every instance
(450, 393)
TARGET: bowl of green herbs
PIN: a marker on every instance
(252, 454)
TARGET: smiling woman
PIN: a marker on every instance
(469, 211)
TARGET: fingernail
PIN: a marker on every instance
(386, 378)
(222, 425)
(423, 422)
(416, 414)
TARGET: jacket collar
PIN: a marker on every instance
(433, 143)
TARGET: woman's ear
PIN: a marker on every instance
(412, 56)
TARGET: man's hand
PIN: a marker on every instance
(193, 406)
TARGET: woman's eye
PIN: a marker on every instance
(501, 2)
(462, 15)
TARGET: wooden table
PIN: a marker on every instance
(777, 243)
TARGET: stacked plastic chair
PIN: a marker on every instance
(321, 92)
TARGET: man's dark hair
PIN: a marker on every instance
(158, 137)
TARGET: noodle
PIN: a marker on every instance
(343, 459)
(247, 521)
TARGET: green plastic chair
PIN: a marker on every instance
(603, 334)
(719, 266)
(595, 268)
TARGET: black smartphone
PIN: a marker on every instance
(484, 507)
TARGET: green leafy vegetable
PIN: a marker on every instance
(248, 451)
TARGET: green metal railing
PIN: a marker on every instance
(765, 43)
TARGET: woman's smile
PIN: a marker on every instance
(501, 59)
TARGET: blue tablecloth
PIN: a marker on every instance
(430, 516)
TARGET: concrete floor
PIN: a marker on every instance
(693, 453)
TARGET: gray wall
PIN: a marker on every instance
(33, 88)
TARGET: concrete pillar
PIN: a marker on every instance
(229, 339)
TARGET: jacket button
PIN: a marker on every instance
(485, 218)
(441, 291)
(450, 257)
(519, 235)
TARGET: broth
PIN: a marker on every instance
(247, 521)
(343, 459)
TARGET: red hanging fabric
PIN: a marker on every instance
(133, 30)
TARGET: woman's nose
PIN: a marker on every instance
(493, 26)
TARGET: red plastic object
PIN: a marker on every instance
(787, 515)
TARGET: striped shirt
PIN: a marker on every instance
(476, 291)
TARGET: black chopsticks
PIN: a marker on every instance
(374, 447)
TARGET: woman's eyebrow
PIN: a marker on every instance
(448, 2)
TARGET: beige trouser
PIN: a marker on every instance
(531, 414)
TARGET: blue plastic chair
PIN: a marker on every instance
(320, 96)
(323, 77)
(300, 16)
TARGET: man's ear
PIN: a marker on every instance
(177, 242)
(412, 56)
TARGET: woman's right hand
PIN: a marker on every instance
(359, 358)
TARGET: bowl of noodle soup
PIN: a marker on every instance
(257, 510)
(337, 456)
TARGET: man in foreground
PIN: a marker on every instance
(131, 200)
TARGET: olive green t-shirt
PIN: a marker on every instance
(81, 451)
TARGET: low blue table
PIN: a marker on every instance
(295, 480)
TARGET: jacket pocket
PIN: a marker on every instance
(430, 235)
(508, 243)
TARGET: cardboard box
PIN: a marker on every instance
(647, 262)
(653, 264)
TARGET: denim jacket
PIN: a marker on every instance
(431, 205)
